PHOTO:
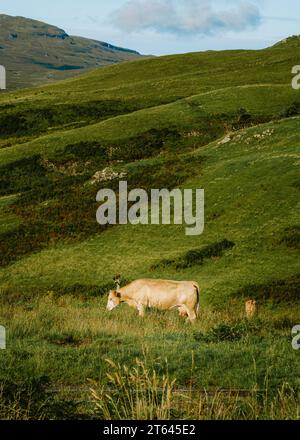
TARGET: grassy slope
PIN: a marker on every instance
(173, 76)
(186, 114)
(252, 196)
(242, 188)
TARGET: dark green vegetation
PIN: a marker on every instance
(196, 257)
(279, 291)
(227, 122)
(34, 52)
(20, 121)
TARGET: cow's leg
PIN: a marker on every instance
(192, 315)
(182, 311)
(141, 310)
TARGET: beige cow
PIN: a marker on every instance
(159, 294)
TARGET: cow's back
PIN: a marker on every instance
(162, 293)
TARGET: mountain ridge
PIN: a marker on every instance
(34, 52)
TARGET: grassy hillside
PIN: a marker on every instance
(227, 122)
(34, 52)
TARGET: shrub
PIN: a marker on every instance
(23, 120)
(225, 332)
(22, 175)
(291, 110)
(196, 257)
(276, 291)
(291, 237)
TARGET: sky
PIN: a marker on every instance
(160, 27)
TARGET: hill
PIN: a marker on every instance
(34, 52)
(227, 122)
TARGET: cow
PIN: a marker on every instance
(159, 294)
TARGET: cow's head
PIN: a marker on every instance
(114, 300)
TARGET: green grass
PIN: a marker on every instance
(227, 122)
(8, 220)
(58, 344)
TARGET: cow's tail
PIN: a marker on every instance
(196, 285)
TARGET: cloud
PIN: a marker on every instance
(184, 17)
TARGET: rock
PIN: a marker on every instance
(105, 175)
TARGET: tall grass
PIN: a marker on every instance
(141, 393)
(136, 393)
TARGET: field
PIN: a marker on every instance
(227, 122)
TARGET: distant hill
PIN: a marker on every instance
(34, 52)
(294, 40)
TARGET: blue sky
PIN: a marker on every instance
(168, 26)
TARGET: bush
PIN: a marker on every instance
(291, 237)
(276, 291)
(22, 175)
(291, 110)
(224, 332)
(196, 257)
(27, 121)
